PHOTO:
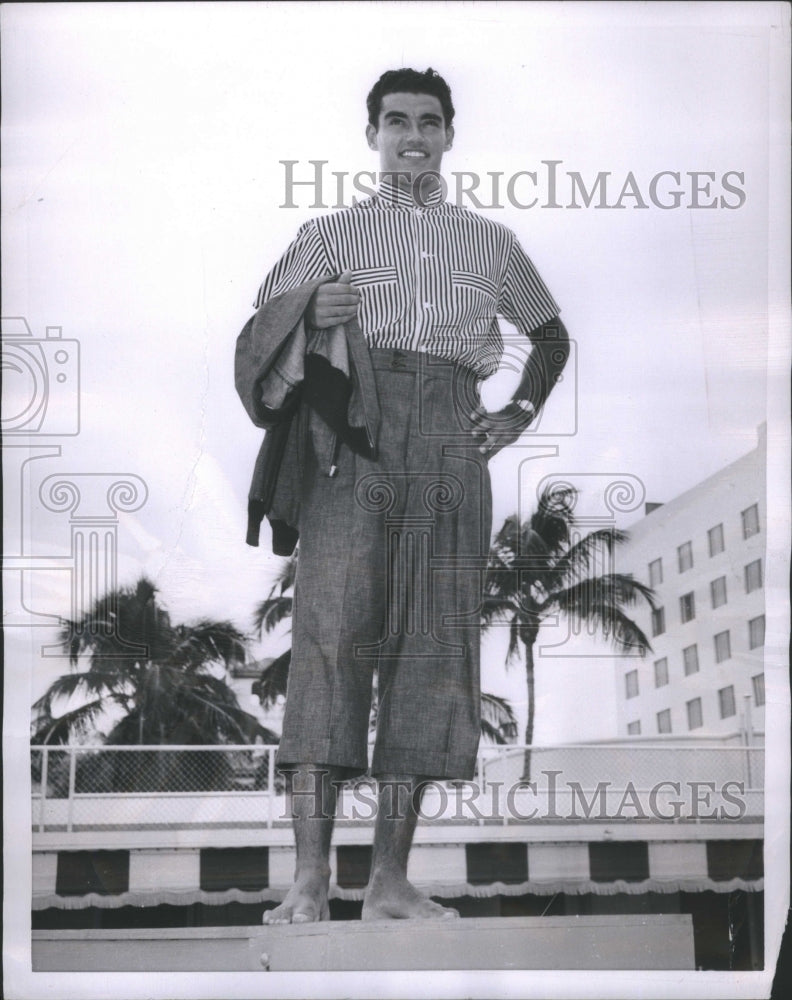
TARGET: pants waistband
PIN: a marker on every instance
(395, 359)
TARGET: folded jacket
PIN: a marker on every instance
(281, 371)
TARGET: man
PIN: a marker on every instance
(394, 532)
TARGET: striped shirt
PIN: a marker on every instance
(432, 278)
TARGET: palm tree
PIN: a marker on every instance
(541, 567)
(274, 609)
(498, 722)
(158, 675)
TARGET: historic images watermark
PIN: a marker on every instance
(549, 185)
(548, 798)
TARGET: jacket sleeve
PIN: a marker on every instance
(272, 343)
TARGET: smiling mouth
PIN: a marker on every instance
(414, 154)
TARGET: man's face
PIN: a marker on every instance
(411, 135)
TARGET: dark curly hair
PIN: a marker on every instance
(409, 81)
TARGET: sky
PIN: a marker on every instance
(142, 191)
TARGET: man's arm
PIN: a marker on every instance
(542, 371)
(525, 301)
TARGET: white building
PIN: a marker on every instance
(704, 555)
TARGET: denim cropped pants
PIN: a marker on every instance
(390, 575)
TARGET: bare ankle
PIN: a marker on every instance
(387, 871)
(313, 871)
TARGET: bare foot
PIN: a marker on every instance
(392, 897)
(305, 903)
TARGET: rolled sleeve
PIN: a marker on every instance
(525, 300)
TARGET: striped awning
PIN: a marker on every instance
(75, 879)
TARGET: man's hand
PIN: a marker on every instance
(333, 303)
(497, 430)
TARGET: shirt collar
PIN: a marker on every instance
(391, 192)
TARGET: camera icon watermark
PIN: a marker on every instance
(41, 376)
(41, 401)
(547, 369)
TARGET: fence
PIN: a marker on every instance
(87, 787)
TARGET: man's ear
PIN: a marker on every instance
(371, 137)
(449, 138)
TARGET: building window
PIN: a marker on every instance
(726, 702)
(756, 632)
(685, 556)
(664, 721)
(694, 716)
(655, 573)
(690, 659)
(718, 591)
(658, 621)
(661, 672)
(687, 607)
(758, 692)
(631, 684)
(634, 728)
(753, 576)
(715, 540)
(722, 646)
(750, 521)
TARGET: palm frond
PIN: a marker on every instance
(287, 574)
(208, 642)
(583, 554)
(496, 608)
(91, 634)
(273, 681)
(508, 537)
(90, 683)
(271, 612)
(598, 602)
(498, 721)
(553, 518)
(616, 588)
(225, 723)
(123, 617)
(47, 729)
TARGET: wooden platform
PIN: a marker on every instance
(596, 942)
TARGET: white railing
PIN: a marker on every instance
(149, 787)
